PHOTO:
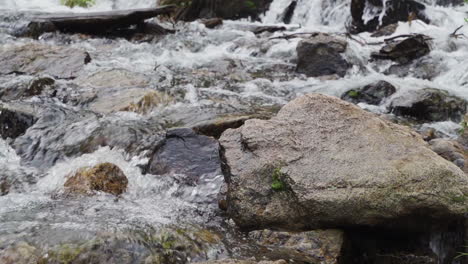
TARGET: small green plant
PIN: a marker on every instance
(80, 3)
(277, 177)
(353, 93)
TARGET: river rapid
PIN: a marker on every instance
(206, 73)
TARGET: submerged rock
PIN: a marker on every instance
(59, 62)
(212, 22)
(321, 55)
(132, 100)
(430, 105)
(396, 10)
(325, 163)
(426, 68)
(370, 94)
(404, 51)
(318, 246)
(185, 152)
(104, 177)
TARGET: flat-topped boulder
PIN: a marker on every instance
(325, 163)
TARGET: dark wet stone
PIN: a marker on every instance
(219, 8)
(321, 55)
(289, 12)
(370, 94)
(404, 51)
(271, 29)
(430, 105)
(397, 10)
(212, 22)
(185, 152)
(59, 62)
(14, 122)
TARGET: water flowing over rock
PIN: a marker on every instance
(59, 62)
(322, 162)
(185, 152)
(366, 18)
(404, 51)
(318, 246)
(24, 89)
(61, 132)
(430, 105)
(104, 177)
(370, 94)
(321, 55)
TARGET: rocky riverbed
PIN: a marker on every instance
(263, 131)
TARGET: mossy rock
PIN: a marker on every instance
(104, 177)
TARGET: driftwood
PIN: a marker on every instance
(95, 22)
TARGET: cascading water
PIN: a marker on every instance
(207, 73)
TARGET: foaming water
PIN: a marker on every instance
(206, 73)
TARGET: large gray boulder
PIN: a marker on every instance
(324, 163)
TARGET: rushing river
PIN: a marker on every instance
(209, 72)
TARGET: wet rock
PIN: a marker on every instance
(451, 151)
(396, 10)
(321, 55)
(424, 68)
(370, 94)
(115, 79)
(318, 246)
(270, 29)
(104, 177)
(289, 12)
(14, 121)
(59, 62)
(4, 186)
(212, 22)
(195, 9)
(404, 51)
(132, 100)
(185, 152)
(61, 132)
(18, 89)
(351, 168)
(429, 105)
(385, 31)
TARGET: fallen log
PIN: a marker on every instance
(94, 22)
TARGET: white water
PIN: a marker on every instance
(197, 53)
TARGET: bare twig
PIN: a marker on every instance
(455, 35)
